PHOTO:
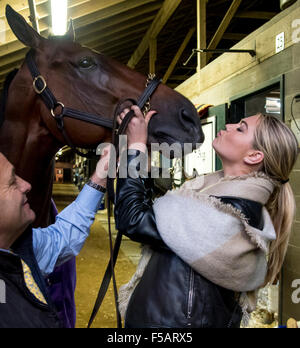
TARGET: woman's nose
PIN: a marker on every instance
(230, 126)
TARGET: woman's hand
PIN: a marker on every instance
(100, 175)
(137, 130)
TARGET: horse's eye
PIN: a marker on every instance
(86, 63)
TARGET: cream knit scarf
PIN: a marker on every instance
(214, 238)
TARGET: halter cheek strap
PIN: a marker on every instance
(41, 88)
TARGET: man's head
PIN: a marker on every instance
(16, 214)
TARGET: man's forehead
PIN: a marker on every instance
(5, 166)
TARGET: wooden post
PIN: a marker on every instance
(33, 15)
(201, 33)
(178, 54)
(223, 26)
(164, 14)
(152, 55)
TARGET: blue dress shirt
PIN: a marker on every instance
(63, 240)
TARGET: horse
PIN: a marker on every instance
(85, 80)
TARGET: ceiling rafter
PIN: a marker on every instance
(164, 14)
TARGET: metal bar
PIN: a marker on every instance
(33, 15)
(217, 50)
(201, 32)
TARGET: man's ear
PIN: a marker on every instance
(254, 158)
(23, 31)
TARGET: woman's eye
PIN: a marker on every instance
(86, 63)
(239, 130)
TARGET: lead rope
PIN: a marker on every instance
(144, 104)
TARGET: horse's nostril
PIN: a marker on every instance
(187, 120)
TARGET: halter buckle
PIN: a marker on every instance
(39, 91)
(52, 110)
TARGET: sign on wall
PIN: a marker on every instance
(203, 160)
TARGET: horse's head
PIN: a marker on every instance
(86, 80)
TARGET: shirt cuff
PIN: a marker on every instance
(90, 198)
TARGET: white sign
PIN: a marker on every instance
(203, 160)
(280, 44)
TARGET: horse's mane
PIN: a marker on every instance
(4, 94)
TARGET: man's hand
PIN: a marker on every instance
(137, 130)
(100, 175)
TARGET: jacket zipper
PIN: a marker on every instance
(191, 294)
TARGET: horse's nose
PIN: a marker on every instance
(191, 123)
(188, 120)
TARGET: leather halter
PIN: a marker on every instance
(41, 88)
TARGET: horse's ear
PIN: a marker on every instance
(70, 34)
(23, 31)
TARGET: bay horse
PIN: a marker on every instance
(84, 80)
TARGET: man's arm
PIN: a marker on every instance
(64, 239)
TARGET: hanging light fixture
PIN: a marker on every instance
(59, 13)
(286, 3)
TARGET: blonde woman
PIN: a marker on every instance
(214, 242)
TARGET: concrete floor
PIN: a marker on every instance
(92, 262)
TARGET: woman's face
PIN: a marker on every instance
(234, 145)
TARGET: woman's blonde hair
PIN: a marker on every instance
(280, 148)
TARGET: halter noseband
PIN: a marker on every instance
(41, 88)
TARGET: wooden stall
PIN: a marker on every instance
(233, 79)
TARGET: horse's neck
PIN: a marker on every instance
(31, 149)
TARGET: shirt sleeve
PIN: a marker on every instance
(63, 240)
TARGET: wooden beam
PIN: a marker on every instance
(127, 18)
(249, 14)
(98, 10)
(112, 40)
(33, 15)
(83, 12)
(234, 36)
(201, 33)
(256, 14)
(166, 11)
(116, 44)
(104, 36)
(223, 26)
(152, 55)
(178, 54)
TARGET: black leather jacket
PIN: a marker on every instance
(171, 294)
